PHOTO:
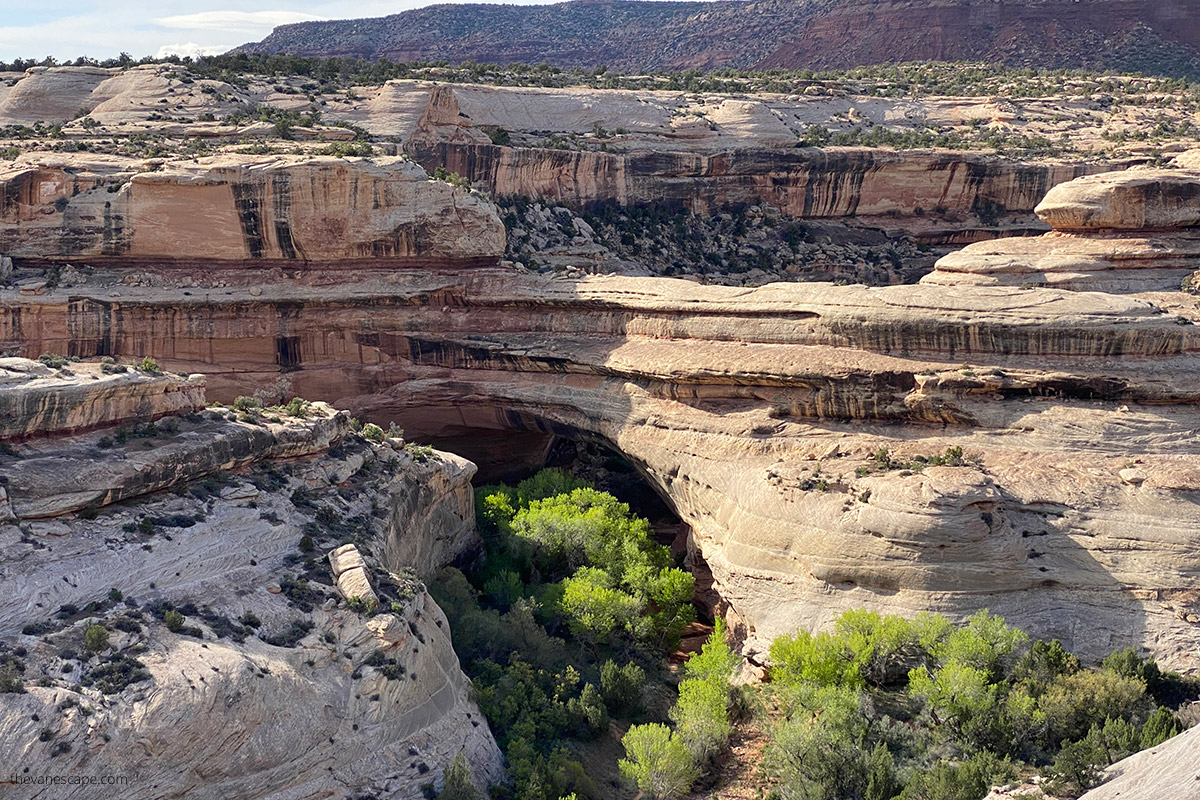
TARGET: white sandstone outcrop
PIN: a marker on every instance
(231, 669)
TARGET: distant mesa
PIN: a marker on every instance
(1161, 37)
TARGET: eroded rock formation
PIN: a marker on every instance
(725, 151)
(282, 210)
(272, 688)
(38, 400)
(1030, 450)
(582, 145)
(1171, 769)
(1126, 232)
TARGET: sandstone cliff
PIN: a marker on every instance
(903, 448)
(38, 400)
(287, 211)
(582, 146)
(1126, 232)
(724, 151)
(274, 687)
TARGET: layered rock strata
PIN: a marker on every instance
(38, 400)
(725, 151)
(760, 415)
(1125, 232)
(280, 211)
(1030, 450)
(582, 145)
(265, 686)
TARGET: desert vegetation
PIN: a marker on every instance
(565, 624)
(911, 79)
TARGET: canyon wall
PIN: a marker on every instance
(271, 685)
(281, 210)
(657, 149)
(801, 182)
(945, 446)
(578, 146)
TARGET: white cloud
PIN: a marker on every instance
(234, 20)
(66, 29)
(190, 49)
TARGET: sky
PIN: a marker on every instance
(67, 29)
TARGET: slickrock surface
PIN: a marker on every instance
(286, 210)
(271, 688)
(37, 400)
(582, 145)
(1142, 199)
(55, 479)
(1170, 770)
(1124, 232)
(1031, 450)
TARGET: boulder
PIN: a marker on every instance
(344, 558)
(1136, 199)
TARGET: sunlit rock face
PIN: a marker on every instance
(738, 150)
(274, 688)
(288, 211)
(1166, 770)
(945, 447)
(1122, 232)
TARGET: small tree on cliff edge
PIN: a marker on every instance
(456, 782)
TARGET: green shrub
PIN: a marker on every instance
(701, 714)
(348, 150)
(1160, 726)
(622, 686)
(595, 608)
(658, 761)
(297, 407)
(53, 360)
(290, 636)
(498, 135)
(967, 780)
(95, 638)
(116, 673)
(10, 679)
(452, 178)
(588, 708)
(818, 659)
(149, 366)
(246, 404)
(822, 750)
(986, 643)
(456, 782)
(1076, 702)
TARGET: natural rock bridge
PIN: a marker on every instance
(786, 424)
